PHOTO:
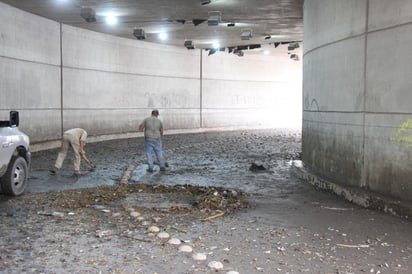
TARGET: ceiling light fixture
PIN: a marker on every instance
(254, 46)
(163, 36)
(88, 14)
(246, 35)
(294, 57)
(242, 47)
(205, 2)
(214, 18)
(238, 52)
(211, 51)
(111, 19)
(139, 34)
(189, 44)
(293, 46)
(198, 21)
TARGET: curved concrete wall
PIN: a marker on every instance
(357, 115)
(60, 77)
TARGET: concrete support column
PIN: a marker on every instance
(357, 116)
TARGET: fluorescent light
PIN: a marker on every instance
(216, 45)
(163, 36)
(111, 19)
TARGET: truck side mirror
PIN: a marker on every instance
(14, 118)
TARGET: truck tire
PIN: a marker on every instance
(14, 180)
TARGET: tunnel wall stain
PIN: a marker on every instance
(359, 131)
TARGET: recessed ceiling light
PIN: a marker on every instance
(163, 36)
(111, 19)
(266, 52)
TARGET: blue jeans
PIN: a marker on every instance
(153, 145)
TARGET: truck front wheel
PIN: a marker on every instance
(14, 180)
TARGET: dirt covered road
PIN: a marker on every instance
(228, 203)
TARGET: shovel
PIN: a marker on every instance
(91, 165)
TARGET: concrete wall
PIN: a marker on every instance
(60, 77)
(111, 84)
(357, 115)
(251, 91)
(30, 71)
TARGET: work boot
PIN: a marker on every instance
(150, 169)
(53, 171)
(162, 169)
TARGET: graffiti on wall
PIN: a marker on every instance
(403, 134)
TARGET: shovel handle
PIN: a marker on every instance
(87, 160)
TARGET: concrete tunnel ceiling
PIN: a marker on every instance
(205, 24)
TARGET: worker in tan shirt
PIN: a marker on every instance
(76, 138)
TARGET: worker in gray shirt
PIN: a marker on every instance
(153, 132)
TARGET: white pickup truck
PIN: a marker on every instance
(14, 156)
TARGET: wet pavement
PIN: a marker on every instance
(290, 228)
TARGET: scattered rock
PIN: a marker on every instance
(154, 229)
(135, 214)
(174, 241)
(199, 257)
(103, 233)
(215, 265)
(163, 235)
(186, 249)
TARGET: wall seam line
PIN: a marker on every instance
(365, 86)
(30, 61)
(367, 31)
(61, 80)
(201, 90)
(129, 73)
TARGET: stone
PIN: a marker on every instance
(174, 241)
(186, 249)
(199, 257)
(215, 265)
(135, 214)
(154, 229)
(163, 235)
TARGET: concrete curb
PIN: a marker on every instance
(361, 197)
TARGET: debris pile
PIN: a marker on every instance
(254, 167)
(207, 199)
(221, 199)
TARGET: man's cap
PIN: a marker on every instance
(155, 111)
